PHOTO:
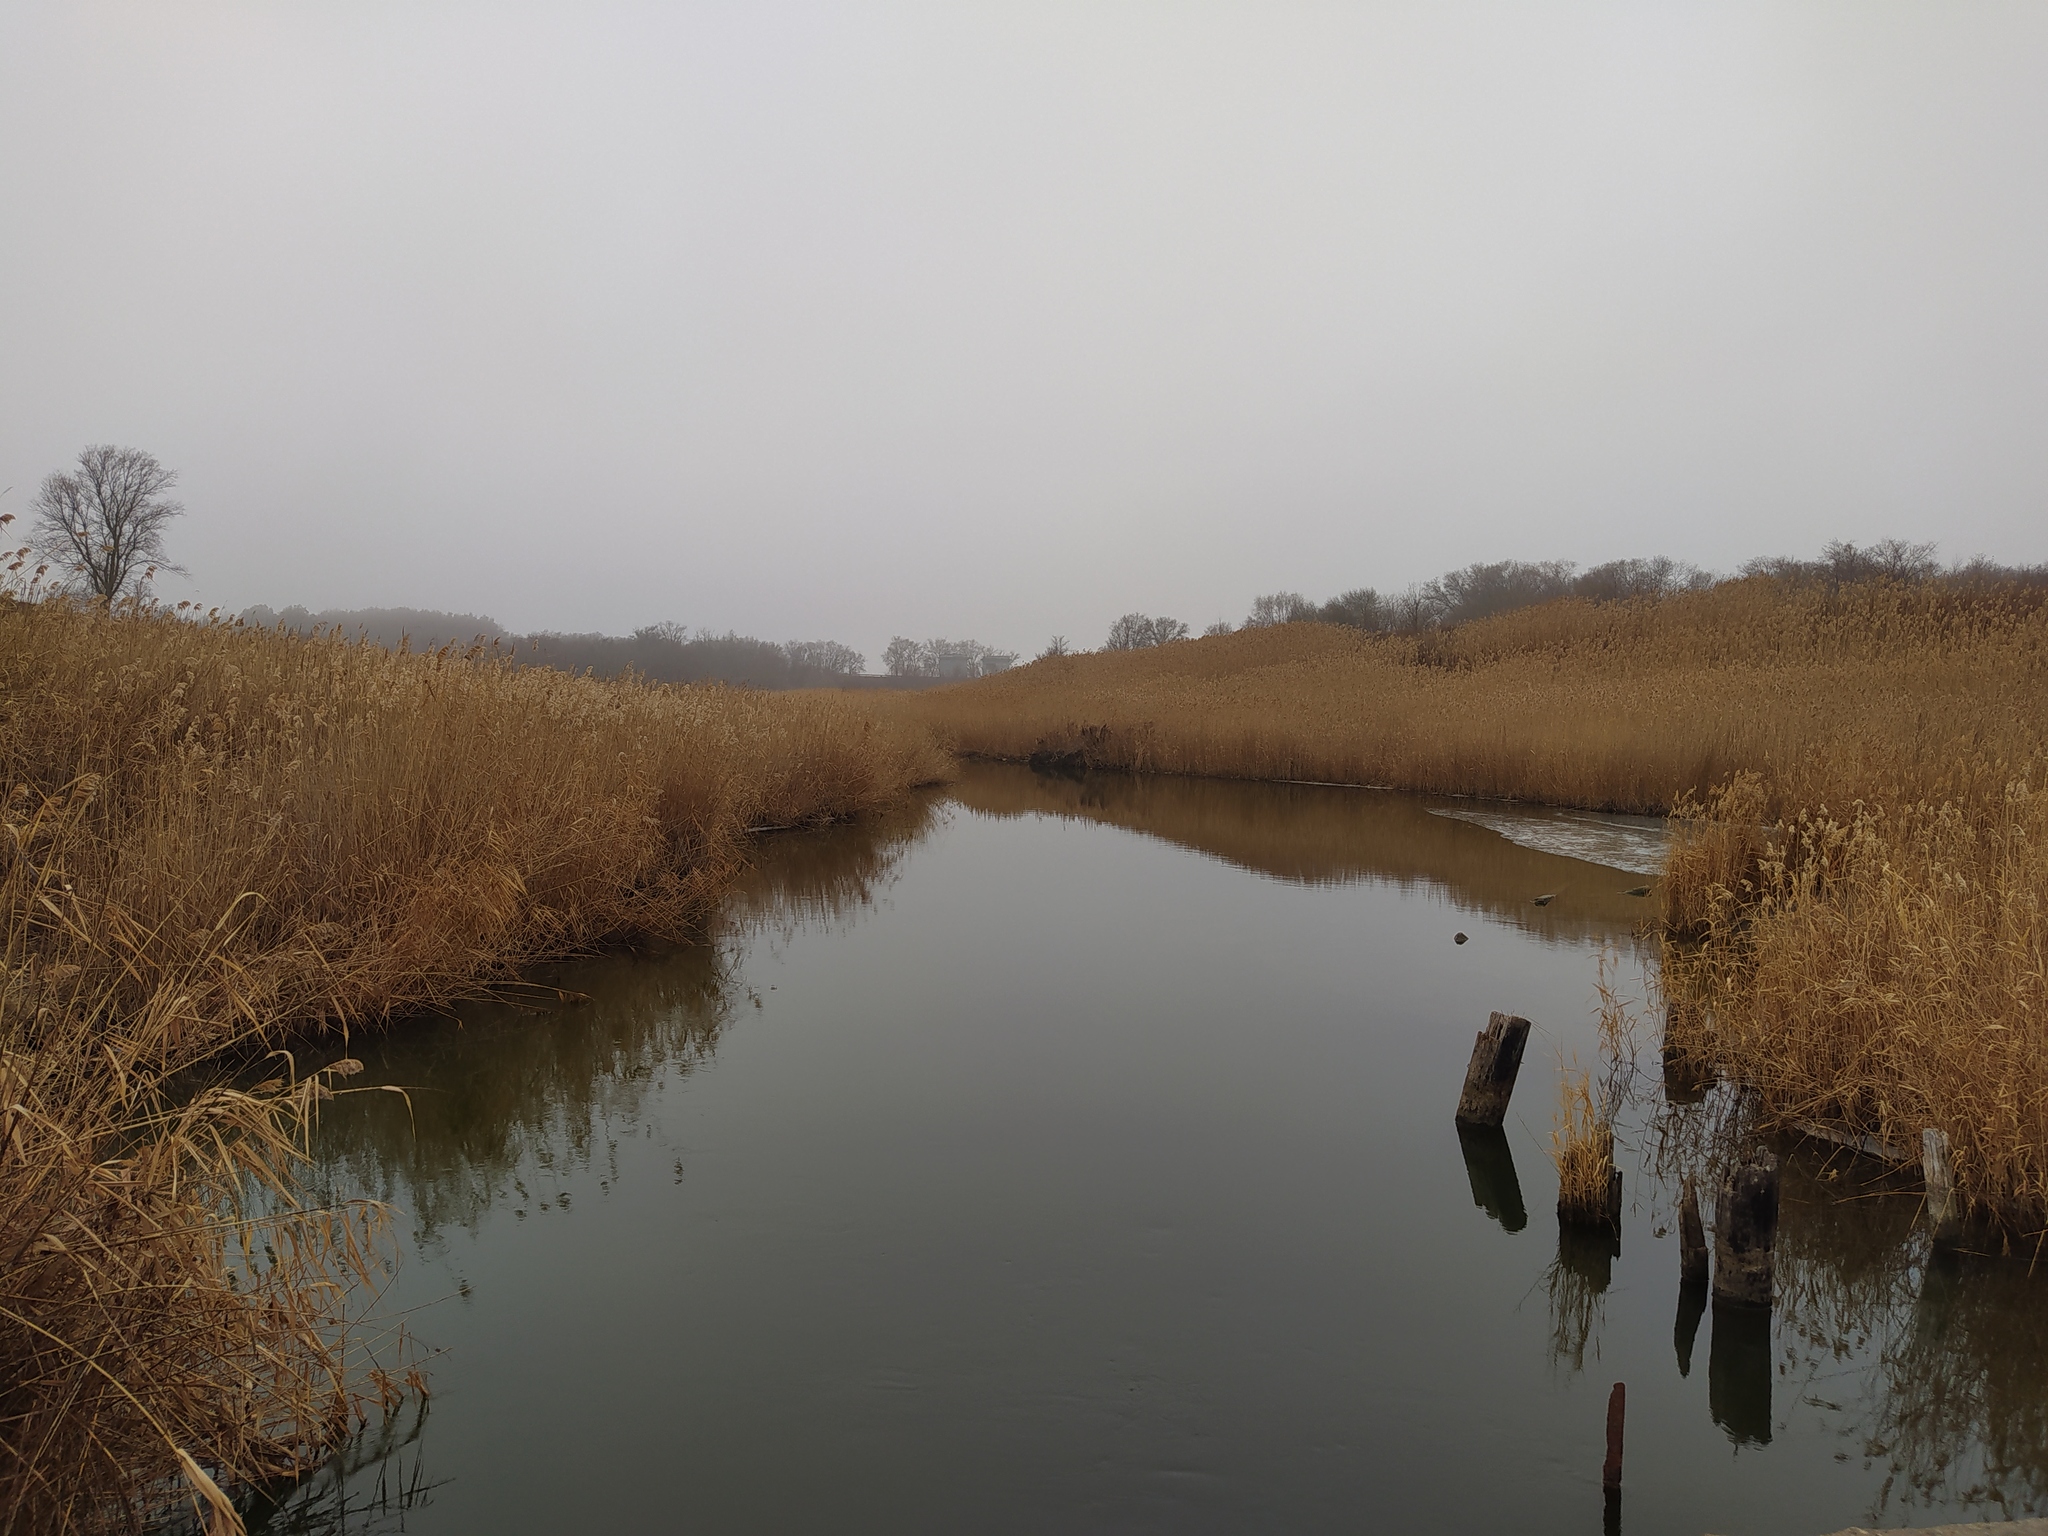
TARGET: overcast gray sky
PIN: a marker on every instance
(849, 320)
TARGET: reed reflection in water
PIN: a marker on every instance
(489, 1094)
(1322, 835)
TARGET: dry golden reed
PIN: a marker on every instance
(213, 840)
(1582, 1147)
(1881, 691)
(1884, 971)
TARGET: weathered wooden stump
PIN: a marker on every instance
(1606, 1214)
(1692, 1240)
(1944, 1206)
(1490, 1078)
(1745, 1229)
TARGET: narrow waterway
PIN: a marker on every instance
(1077, 1154)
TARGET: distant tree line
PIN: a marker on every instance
(1136, 632)
(1479, 591)
(668, 653)
(663, 653)
(905, 657)
(1482, 590)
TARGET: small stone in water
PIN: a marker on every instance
(1459, 939)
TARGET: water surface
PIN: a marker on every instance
(1076, 1154)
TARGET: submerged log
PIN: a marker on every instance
(1490, 1077)
(1944, 1206)
(1867, 1146)
(1692, 1240)
(1745, 1230)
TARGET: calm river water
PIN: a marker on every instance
(1075, 1155)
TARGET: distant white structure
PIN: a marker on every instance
(952, 665)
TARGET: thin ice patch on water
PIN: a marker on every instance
(1634, 844)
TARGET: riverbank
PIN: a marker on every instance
(221, 842)
(1855, 905)
(1876, 691)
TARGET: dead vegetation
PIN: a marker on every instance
(1582, 1147)
(1884, 691)
(218, 841)
(1881, 970)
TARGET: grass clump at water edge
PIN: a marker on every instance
(1582, 1147)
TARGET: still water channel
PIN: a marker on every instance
(1077, 1154)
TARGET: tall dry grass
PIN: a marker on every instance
(1881, 691)
(1885, 971)
(216, 840)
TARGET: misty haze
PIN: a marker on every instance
(1026, 767)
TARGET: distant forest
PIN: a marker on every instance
(1482, 590)
(663, 653)
(669, 653)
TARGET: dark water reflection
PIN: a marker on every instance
(1063, 1154)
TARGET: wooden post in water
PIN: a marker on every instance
(1490, 1078)
(1745, 1228)
(1944, 1208)
(1692, 1240)
(1610, 1471)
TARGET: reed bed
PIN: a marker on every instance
(215, 842)
(1881, 691)
(1884, 971)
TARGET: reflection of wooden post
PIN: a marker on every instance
(1745, 1228)
(1692, 1306)
(1739, 1373)
(1490, 1078)
(1944, 1209)
(1490, 1165)
(1617, 1404)
(1692, 1239)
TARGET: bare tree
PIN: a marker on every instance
(826, 656)
(104, 523)
(1136, 632)
(1279, 608)
(904, 657)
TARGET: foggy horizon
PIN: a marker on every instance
(805, 321)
